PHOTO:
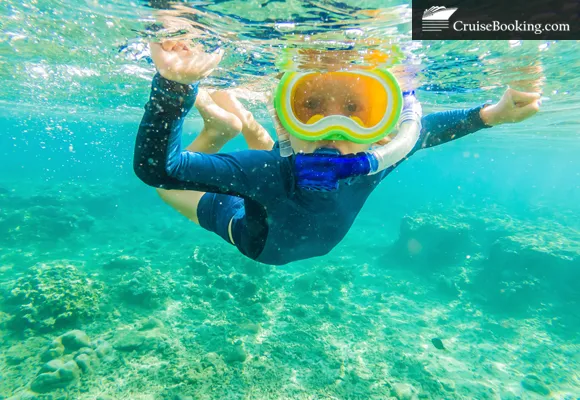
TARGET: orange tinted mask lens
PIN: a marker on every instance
(358, 97)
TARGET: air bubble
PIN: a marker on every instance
(353, 33)
(285, 26)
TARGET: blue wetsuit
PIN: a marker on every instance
(274, 221)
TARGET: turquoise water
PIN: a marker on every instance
(475, 242)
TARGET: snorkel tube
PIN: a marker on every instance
(283, 136)
(322, 170)
(409, 131)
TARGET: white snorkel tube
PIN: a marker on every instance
(406, 139)
(281, 133)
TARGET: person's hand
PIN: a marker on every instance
(513, 107)
(181, 63)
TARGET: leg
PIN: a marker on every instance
(255, 135)
(219, 127)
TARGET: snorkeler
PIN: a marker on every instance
(295, 199)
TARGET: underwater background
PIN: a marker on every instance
(107, 293)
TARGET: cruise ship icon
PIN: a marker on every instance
(436, 18)
(438, 13)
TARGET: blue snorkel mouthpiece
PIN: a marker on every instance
(322, 170)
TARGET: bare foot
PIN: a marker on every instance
(255, 134)
(218, 123)
(230, 103)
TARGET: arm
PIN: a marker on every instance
(160, 161)
(443, 127)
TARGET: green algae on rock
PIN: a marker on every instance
(51, 296)
(31, 222)
(62, 368)
(75, 340)
(54, 350)
(141, 341)
(129, 341)
(59, 375)
(85, 362)
(404, 391)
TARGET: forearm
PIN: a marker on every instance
(158, 143)
(442, 127)
(159, 160)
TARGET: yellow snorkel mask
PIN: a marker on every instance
(361, 106)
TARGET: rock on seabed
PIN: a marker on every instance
(534, 384)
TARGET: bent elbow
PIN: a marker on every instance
(148, 174)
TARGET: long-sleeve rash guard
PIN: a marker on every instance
(283, 222)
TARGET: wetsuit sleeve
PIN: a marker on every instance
(443, 127)
(159, 160)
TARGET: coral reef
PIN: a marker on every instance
(498, 291)
(76, 356)
(506, 264)
(51, 296)
(41, 219)
(428, 240)
(146, 287)
(527, 269)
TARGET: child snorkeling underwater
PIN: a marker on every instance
(297, 198)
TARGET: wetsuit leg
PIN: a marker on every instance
(215, 211)
(249, 227)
